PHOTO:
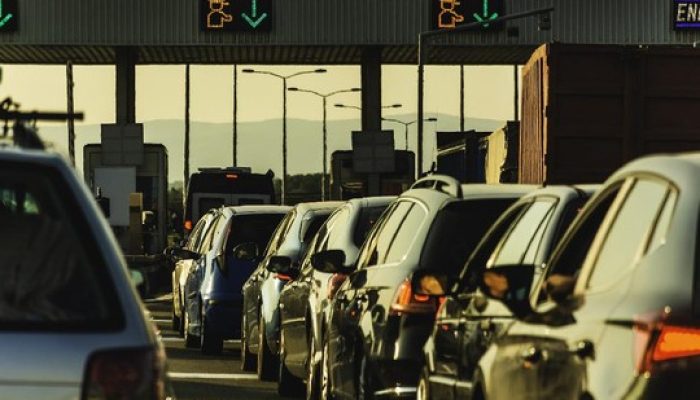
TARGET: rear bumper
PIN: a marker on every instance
(223, 318)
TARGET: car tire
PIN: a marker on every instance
(365, 390)
(191, 341)
(210, 344)
(248, 359)
(423, 389)
(325, 391)
(288, 385)
(313, 372)
(267, 364)
(175, 321)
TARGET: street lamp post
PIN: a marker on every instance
(407, 124)
(284, 79)
(324, 97)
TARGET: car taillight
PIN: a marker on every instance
(283, 277)
(334, 283)
(125, 374)
(188, 225)
(655, 343)
(406, 302)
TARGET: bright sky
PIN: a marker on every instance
(160, 91)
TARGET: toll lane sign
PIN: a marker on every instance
(448, 14)
(236, 15)
(8, 15)
(686, 14)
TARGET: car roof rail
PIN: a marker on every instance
(441, 183)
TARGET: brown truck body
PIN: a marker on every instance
(588, 109)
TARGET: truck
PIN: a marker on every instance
(134, 198)
(588, 109)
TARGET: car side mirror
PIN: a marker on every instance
(431, 283)
(246, 251)
(331, 262)
(184, 254)
(279, 265)
(511, 285)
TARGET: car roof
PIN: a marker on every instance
(372, 201)
(318, 206)
(12, 153)
(562, 190)
(256, 209)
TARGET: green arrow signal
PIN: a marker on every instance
(254, 21)
(4, 19)
(485, 17)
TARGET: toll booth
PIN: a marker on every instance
(347, 183)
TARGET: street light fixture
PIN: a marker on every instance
(324, 97)
(407, 124)
(284, 79)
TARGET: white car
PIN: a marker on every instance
(71, 323)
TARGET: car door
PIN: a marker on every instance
(559, 357)
(251, 288)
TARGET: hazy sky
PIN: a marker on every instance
(160, 91)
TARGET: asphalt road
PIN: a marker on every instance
(196, 376)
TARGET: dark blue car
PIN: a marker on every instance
(213, 299)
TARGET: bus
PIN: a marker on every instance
(215, 187)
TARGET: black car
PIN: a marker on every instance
(303, 302)
(617, 315)
(466, 322)
(377, 325)
(260, 321)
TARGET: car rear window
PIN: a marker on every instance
(255, 228)
(52, 276)
(457, 230)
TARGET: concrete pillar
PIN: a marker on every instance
(372, 89)
(372, 103)
(126, 85)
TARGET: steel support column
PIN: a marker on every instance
(71, 110)
(372, 103)
(187, 126)
(126, 85)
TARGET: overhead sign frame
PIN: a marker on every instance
(235, 15)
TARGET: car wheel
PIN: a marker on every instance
(288, 385)
(325, 390)
(423, 391)
(248, 360)
(364, 384)
(210, 344)
(191, 341)
(266, 362)
(175, 321)
(313, 373)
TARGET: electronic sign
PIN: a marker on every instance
(236, 15)
(685, 14)
(8, 15)
(449, 14)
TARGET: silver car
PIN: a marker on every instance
(71, 323)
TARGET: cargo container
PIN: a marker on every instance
(588, 109)
(501, 151)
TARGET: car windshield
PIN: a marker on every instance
(52, 275)
(255, 228)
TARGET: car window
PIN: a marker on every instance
(366, 220)
(311, 227)
(52, 275)
(277, 236)
(570, 254)
(252, 228)
(208, 238)
(406, 235)
(457, 230)
(194, 236)
(522, 241)
(664, 220)
(335, 228)
(376, 250)
(629, 233)
(468, 279)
